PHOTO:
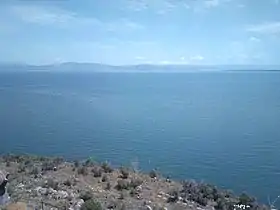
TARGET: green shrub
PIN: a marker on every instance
(135, 182)
(108, 186)
(48, 166)
(76, 163)
(245, 199)
(35, 171)
(21, 168)
(88, 163)
(124, 172)
(83, 171)
(91, 205)
(68, 183)
(97, 172)
(153, 173)
(86, 195)
(51, 183)
(104, 178)
(173, 196)
(122, 185)
(8, 164)
(107, 168)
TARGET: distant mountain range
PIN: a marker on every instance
(97, 67)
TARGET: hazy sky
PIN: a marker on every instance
(140, 31)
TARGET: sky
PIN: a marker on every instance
(127, 32)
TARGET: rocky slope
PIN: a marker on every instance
(52, 183)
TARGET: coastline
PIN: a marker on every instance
(54, 183)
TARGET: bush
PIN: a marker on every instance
(83, 171)
(153, 173)
(8, 164)
(245, 199)
(107, 168)
(133, 192)
(58, 160)
(68, 183)
(88, 162)
(91, 205)
(122, 185)
(104, 178)
(35, 171)
(97, 172)
(87, 195)
(51, 183)
(48, 166)
(76, 164)
(173, 196)
(108, 186)
(124, 172)
(21, 168)
(135, 182)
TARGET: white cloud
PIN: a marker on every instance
(265, 28)
(254, 39)
(165, 62)
(197, 58)
(62, 18)
(140, 58)
(186, 6)
(241, 5)
(49, 15)
(137, 5)
(211, 3)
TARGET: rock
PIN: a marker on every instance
(149, 207)
(17, 206)
(62, 194)
(79, 204)
(21, 186)
(41, 190)
(139, 188)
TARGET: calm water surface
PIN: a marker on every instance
(223, 128)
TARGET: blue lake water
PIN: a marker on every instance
(222, 128)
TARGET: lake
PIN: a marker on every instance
(219, 127)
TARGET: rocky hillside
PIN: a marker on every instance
(52, 183)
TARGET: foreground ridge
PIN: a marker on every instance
(53, 183)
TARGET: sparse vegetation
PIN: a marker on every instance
(173, 196)
(108, 186)
(124, 173)
(86, 195)
(68, 183)
(83, 170)
(135, 182)
(48, 166)
(153, 173)
(76, 163)
(123, 184)
(51, 183)
(106, 167)
(35, 171)
(104, 178)
(65, 188)
(91, 205)
(97, 172)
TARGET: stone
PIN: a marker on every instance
(149, 207)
